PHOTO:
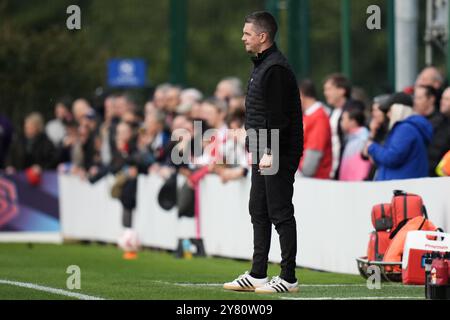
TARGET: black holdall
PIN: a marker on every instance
(167, 196)
(186, 201)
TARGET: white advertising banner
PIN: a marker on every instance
(333, 218)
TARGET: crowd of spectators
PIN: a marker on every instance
(398, 136)
(402, 135)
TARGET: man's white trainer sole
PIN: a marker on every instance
(262, 290)
(237, 288)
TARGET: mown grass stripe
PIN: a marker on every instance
(49, 290)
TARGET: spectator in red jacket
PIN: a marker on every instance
(317, 159)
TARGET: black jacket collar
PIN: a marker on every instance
(260, 57)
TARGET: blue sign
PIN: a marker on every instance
(127, 73)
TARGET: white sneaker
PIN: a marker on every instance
(278, 285)
(245, 282)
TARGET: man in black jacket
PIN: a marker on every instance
(424, 101)
(275, 140)
(33, 149)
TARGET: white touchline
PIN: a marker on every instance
(354, 298)
(50, 290)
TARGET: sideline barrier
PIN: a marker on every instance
(333, 218)
(29, 213)
(88, 212)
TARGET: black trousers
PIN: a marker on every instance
(271, 203)
(128, 200)
(128, 194)
(127, 218)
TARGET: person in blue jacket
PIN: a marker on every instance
(404, 154)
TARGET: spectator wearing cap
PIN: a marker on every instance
(424, 101)
(317, 159)
(379, 122)
(399, 98)
(378, 127)
(404, 153)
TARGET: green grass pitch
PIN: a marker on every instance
(158, 275)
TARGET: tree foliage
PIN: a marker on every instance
(41, 60)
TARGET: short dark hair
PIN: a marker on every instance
(357, 114)
(66, 101)
(341, 81)
(430, 91)
(357, 104)
(236, 116)
(307, 88)
(264, 22)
